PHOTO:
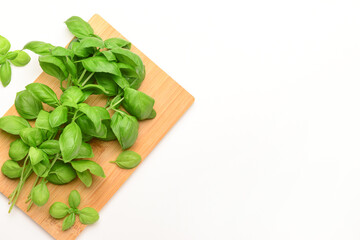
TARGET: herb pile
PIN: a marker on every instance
(56, 149)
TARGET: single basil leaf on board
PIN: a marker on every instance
(61, 173)
(94, 89)
(125, 128)
(87, 127)
(70, 67)
(53, 66)
(11, 169)
(31, 136)
(85, 151)
(37, 155)
(106, 81)
(128, 159)
(100, 64)
(4, 45)
(42, 121)
(138, 104)
(58, 117)
(85, 177)
(50, 147)
(13, 124)
(69, 221)
(5, 73)
(43, 93)
(72, 94)
(91, 42)
(61, 52)
(79, 27)
(88, 215)
(59, 210)
(21, 59)
(39, 47)
(109, 56)
(70, 142)
(117, 42)
(18, 150)
(40, 194)
(74, 199)
(93, 167)
(27, 105)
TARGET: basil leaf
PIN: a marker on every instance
(91, 114)
(58, 117)
(128, 159)
(58, 210)
(50, 147)
(13, 124)
(109, 56)
(94, 89)
(79, 27)
(41, 168)
(82, 52)
(61, 52)
(102, 112)
(70, 67)
(93, 167)
(4, 45)
(70, 142)
(37, 155)
(53, 66)
(100, 64)
(125, 128)
(27, 105)
(85, 177)
(31, 136)
(39, 47)
(87, 127)
(43, 93)
(88, 215)
(138, 104)
(74, 199)
(18, 150)
(121, 81)
(72, 94)
(21, 59)
(40, 194)
(90, 42)
(105, 80)
(112, 43)
(5, 73)
(69, 221)
(85, 151)
(61, 173)
(11, 169)
(109, 133)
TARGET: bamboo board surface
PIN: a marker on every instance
(171, 102)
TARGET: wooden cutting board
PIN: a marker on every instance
(171, 102)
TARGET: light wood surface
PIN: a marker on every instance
(171, 102)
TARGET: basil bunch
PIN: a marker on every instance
(56, 149)
(60, 210)
(17, 58)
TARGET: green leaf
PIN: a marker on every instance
(11, 169)
(61, 52)
(40, 194)
(106, 81)
(4, 45)
(58, 210)
(41, 169)
(27, 105)
(13, 124)
(74, 199)
(121, 82)
(138, 104)
(100, 64)
(42, 121)
(53, 66)
(39, 47)
(37, 155)
(50, 147)
(112, 43)
(18, 150)
(72, 94)
(85, 177)
(110, 136)
(125, 128)
(93, 167)
(128, 159)
(58, 117)
(82, 52)
(61, 173)
(70, 67)
(91, 113)
(70, 142)
(31, 136)
(69, 221)
(43, 93)
(21, 59)
(88, 216)
(85, 151)
(87, 127)
(94, 89)
(109, 56)
(79, 27)
(90, 42)
(5, 73)
(102, 112)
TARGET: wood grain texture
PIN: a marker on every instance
(171, 102)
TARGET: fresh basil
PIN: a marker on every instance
(70, 142)
(18, 150)
(13, 124)
(50, 147)
(79, 27)
(27, 105)
(125, 128)
(31, 136)
(128, 159)
(11, 169)
(58, 117)
(93, 167)
(39, 47)
(61, 173)
(43, 93)
(100, 64)
(53, 66)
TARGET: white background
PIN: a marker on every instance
(270, 148)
